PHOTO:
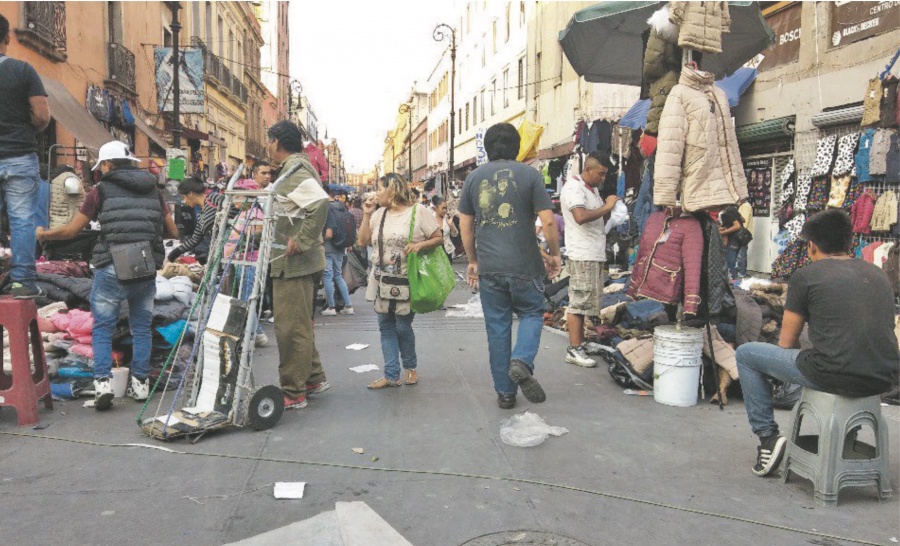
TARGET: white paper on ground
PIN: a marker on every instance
(168, 420)
(357, 346)
(364, 368)
(289, 490)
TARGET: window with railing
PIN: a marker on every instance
(45, 28)
(120, 63)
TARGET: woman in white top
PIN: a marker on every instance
(391, 223)
(446, 222)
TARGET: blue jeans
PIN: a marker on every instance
(397, 339)
(731, 257)
(107, 296)
(756, 361)
(19, 181)
(334, 275)
(247, 289)
(501, 295)
(742, 262)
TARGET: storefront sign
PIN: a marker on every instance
(786, 50)
(190, 79)
(176, 163)
(759, 184)
(855, 21)
(480, 153)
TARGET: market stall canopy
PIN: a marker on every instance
(150, 132)
(530, 135)
(340, 188)
(72, 115)
(604, 42)
(733, 85)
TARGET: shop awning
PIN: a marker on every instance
(72, 115)
(839, 116)
(187, 132)
(558, 150)
(150, 132)
(773, 129)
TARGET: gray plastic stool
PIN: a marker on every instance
(835, 458)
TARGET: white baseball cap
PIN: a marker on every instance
(114, 150)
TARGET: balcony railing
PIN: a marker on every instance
(255, 148)
(219, 73)
(121, 67)
(45, 28)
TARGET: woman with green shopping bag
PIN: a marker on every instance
(395, 230)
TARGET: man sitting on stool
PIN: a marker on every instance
(849, 305)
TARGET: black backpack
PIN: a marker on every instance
(344, 235)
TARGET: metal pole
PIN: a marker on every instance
(176, 85)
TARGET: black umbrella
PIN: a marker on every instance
(604, 42)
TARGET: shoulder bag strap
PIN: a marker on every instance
(381, 238)
(412, 224)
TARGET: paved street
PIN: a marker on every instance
(618, 446)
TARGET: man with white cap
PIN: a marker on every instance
(130, 209)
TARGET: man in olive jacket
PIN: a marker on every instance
(298, 258)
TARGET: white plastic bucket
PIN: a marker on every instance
(677, 357)
(119, 382)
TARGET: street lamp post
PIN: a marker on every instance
(407, 109)
(176, 83)
(441, 32)
(296, 88)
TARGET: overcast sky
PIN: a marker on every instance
(357, 60)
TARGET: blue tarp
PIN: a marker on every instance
(733, 85)
(341, 188)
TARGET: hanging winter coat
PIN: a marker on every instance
(662, 65)
(872, 103)
(669, 261)
(64, 206)
(698, 158)
(889, 102)
(702, 24)
(715, 282)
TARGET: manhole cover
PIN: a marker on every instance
(523, 538)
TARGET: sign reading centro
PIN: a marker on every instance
(855, 21)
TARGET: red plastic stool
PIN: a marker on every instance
(23, 389)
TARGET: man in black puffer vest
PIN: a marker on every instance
(130, 209)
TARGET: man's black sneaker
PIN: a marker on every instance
(506, 401)
(520, 373)
(21, 291)
(769, 454)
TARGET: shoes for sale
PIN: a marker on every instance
(769, 454)
(139, 389)
(317, 388)
(521, 374)
(295, 403)
(103, 393)
(577, 356)
(329, 312)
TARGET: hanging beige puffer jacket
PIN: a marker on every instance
(698, 159)
(662, 65)
(63, 206)
(702, 24)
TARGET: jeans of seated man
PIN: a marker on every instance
(756, 362)
(19, 179)
(501, 296)
(249, 272)
(107, 295)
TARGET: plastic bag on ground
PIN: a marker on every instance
(527, 430)
(470, 309)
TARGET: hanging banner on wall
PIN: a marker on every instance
(855, 21)
(759, 185)
(786, 49)
(190, 79)
(480, 153)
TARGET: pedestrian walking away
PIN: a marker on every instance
(397, 228)
(24, 113)
(130, 209)
(848, 304)
(583, 211)
(339, 234)
(297, 264)
(498, 205)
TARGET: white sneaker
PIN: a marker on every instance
(261, 340)
(103, 393)
(347, 311)
(576, 355)
(137, 389)
(329, 312)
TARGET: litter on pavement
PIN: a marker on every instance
(527, 430)
(357, 346)
(364, 368)
(289, 490)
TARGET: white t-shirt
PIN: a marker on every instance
(585, 242)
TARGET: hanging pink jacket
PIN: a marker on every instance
(669, 261)
(317, 158)
(861, 213)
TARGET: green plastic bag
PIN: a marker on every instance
(431, 276)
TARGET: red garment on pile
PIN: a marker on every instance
(77, 270)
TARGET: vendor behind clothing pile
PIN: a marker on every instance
(130, 209)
